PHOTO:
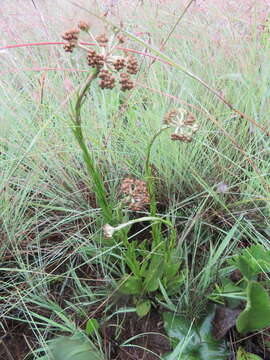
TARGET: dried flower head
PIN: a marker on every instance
(104, 57)
(69, 46)
(71, 36)
(126, 83)
(135, 192)
(121, 38)
(132, 65)
(119, 64)
(183, 122)
(107, 79)
(94, 59)
(83, 25)
(102, 40)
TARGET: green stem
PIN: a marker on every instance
(150, 185)
(99, 187)
(148, 173)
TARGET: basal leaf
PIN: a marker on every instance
(194, 340)
(243, 355)
(91, 326)
(73, 348)
(143, 307)
(131, 285)
(256, 315)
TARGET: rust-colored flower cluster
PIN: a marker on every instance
(71, 37)
(184, 124)
(112, 68)
(107, 79)
(94, 59)
(135, 192)
(132, 65)
(126, 82)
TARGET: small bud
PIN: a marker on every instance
(108, 231)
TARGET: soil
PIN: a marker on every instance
(17, 339)
(149, 346)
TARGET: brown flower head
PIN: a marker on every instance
(135, 192)
(121, 38)
(132, 65)
(107, 79)
(102, 40)
(126, 83)
(71, 36)
(183, 122)
(83, 25)
(69, 46)
(119, 64)
(94, 59)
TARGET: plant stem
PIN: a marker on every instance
(99, 187)
(148, 173)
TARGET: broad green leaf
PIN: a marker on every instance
(91, 326)
(131, 285)
(243, 355)
(73, 348)
(247, 267)
(143, 307)
(256, 315)
(194, 340)
(252, 261)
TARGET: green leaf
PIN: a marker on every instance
(143, 307)
(193, 341)
(154, 273)
(91, 326)
(252, 261)
(247, 267)
(243, 355)
(256, 315)
(131, 285)
(73, 348)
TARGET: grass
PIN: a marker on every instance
(56, 269)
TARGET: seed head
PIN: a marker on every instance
(126, 83)
(83, 25)
(135, 192)
(102, 40)
(121, 38)
(71, 34)
(69, 46)
(119, 64)
(107, 79)
(132, 65)
(170, 116)
(94, 59)
(183, 122)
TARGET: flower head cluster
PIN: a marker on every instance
(112, 68)
(135, 192)
(184, 124)
(71, 37)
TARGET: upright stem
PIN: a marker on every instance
(148, 173)
(150, 185)
(99, 187)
